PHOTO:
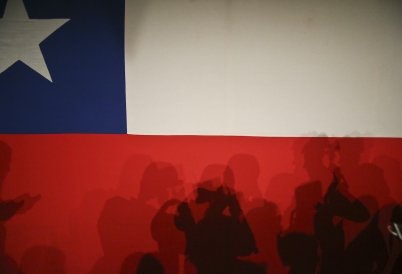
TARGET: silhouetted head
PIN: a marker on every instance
(117, 226)
(374, 183)
(131, 174)
(212, 176)
(396, 216)
(298, 250)
(8, 265)
(218, 200)
(158, 178)
(265, 220)
(371, 204)
(392, 174)
(297, 148)
(246, 171)
(307, 195)
(149, 264)
(350, 150)
(314, 151)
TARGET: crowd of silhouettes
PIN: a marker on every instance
(224, 224)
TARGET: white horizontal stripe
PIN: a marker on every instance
(264, 68)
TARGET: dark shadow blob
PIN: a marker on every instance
(2, 7)
(392, 174)
(314, 152)
(171, 241)
(367, 253)
(396, 219)
(149, 264)
(363, 178)
(8, 209)
(44, 260)
(247, 267)
(212, 177)
(397, 269)
(394, 265)
(306, 197)
(366, 179)
(214, 243)
(246, 171)
(130, 264)
(299, 251)
(374, 183)
(281, 186)
(142, 263)
(265, 222)
(124, 225)
(301, 212)
(8, 265)
(330, 234)
(83, 220)
(342, 204)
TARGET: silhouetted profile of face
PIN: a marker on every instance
(158, 180)
(314, 152)
(350, 151)
(245, 171)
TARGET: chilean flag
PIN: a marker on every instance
(95, 95)
(200, 68)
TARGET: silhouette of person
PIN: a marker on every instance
(282, 186)
(392, 175)
(124, 225)
(315, 152)
(265, 222)
(171, 241)
(246, 171)
(83, 219)
(394, 265)
(9, 208)
(363, 178)
(308, 194)
(367, 253)
(297, 245)
(299, 251)
(368, 179)
(337, 202)
(214, 243)
(149, 264)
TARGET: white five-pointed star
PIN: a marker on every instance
(20, 38)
